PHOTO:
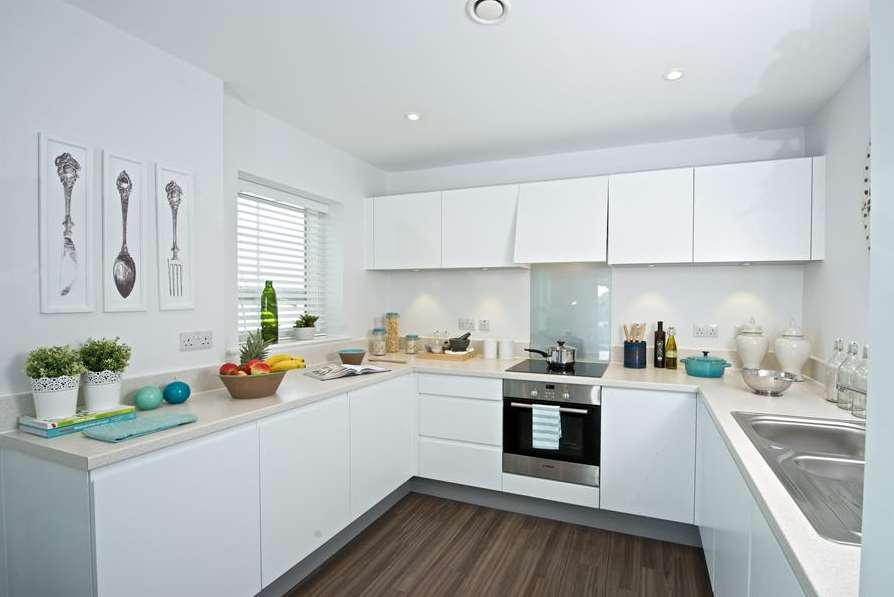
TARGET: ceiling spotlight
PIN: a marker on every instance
(413, 116)
(674, 75)
(487, 12)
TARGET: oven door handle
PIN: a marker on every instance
(562, 409)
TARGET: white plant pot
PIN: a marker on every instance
(102, 390)
(55, 397)
(305, 333)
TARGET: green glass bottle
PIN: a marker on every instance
(269, 313)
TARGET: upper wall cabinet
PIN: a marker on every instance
(406, 231)
(650, 217)
(478, 227)
(758, 211)
(562, 221)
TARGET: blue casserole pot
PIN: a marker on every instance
(705, 366)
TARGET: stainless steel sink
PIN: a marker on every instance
(820, 463)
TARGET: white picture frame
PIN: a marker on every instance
(66, 241)
(176, 275)
(118, 295)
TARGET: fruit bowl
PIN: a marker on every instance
(252, 386)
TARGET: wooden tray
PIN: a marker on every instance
(447, 357)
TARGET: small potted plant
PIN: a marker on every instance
(105, 360)
(55, 373)
(305, 327)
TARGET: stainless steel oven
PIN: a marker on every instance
(577, 458)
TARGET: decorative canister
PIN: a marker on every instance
(102, 390)
(55, 397)
(752, 345)
(412, 343)
(392, 332)
(792, 349)
(377, 342)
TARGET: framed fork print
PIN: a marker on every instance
(124, 196)
(174, 208)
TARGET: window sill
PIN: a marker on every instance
(287, 345)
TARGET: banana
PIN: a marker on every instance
(287, 365)
(277, 358)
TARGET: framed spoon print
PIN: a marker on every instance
(174, 206)
(65, 226)
(124, 268)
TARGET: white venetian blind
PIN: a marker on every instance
(281, 238)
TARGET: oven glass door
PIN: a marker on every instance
(580, 431)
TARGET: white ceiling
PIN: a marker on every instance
(556, 76)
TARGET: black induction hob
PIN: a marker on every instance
(580, 369)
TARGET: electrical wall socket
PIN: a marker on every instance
(705, 330)
(466, 324)
(484, 325)
(196, 341)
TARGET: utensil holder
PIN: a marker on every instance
(635, 355)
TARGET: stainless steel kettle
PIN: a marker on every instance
(559, 356)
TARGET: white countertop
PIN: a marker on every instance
(830, 569)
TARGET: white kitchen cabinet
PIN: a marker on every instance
(406, 231)
(647, 464)
(383, 440)
(562, 221)
(708, 451)
(461, 419)
(650, 217)
(465, 463)
(547, 489)
(181, 521)
(770, 573)
(305, 498)
(758, 211)
(478, 227)
(733, 527)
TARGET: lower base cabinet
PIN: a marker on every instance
(459, 462)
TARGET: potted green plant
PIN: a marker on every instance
(305, 327)
(105, 360)
(55, 373)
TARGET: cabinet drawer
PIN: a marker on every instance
(464, 387)
(569, 493)
(461, 419)
(456, 462)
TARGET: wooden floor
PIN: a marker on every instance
(432, 546)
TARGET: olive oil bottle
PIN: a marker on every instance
(670, 349)
(269, 314)
(659, 346)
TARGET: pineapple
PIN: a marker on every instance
(254, 347)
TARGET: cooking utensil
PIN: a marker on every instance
(705, 366)
(768, 382)
(558, 357)
(67, 169)
(459, 344)
(124, 270)
(175, 266)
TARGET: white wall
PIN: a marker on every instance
(878, 495)
(69, 74)
(268, 148)
(836, 291)
(710, 294)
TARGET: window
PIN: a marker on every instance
(280, 237)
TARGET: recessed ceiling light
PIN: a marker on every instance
(488, 12)
(673, 75)
(414, 116)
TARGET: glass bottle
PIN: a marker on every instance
(392, 332)
(838, 356)
(269, 313)
(845, 375)
(412, 343)
(670, 349)
(659, 346)
(377, 342)
(860, 381)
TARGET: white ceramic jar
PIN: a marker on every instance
(792, 349)
(55, 397)
(752, 345)
(102, 390)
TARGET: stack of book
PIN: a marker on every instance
(82, 420)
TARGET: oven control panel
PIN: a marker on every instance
(551, 392)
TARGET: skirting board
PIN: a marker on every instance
(659, 530)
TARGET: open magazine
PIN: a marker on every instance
(336, 371)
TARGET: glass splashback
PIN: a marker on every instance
(572, 302)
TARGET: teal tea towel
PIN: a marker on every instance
(142, 425)
(546, 426)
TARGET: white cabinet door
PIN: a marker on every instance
(647, 464)
(382, 440)
(759, 211)
(407, 231)
(770, 573)
(304, 482)
(479, 226)
(562, 221)
(708, 451)
(460, 462)
(650, 217)
(181, 521)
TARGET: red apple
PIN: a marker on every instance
(228, 369)
(240, 372)
(260, 369)
(247, 366)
